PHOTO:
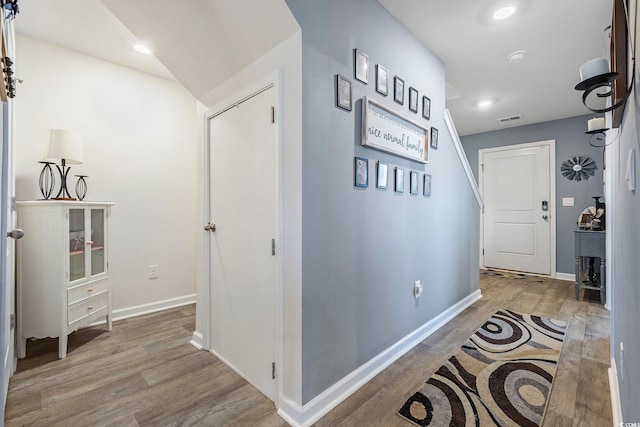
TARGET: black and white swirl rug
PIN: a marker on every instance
(501, 376)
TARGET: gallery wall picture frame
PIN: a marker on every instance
(382, 175)
(343, 92)
(413, 100)
(399, 180)
(361, 66)
(382, 80)
(426, 107)
(426, 185)
(398, 90)
(413, 182)
(434, 138)
(361, 172)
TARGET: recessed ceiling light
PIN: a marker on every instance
(484, 103)
(517, 56)
(142, 49)
(503, 13)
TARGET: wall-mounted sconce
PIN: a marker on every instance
(596, 129)
(595, 77)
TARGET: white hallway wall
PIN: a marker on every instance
(140, 147)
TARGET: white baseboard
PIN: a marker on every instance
(152, 307)
(566, 276)
(197, 340)
(306, 415)
(614, 391)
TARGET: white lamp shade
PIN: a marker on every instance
(65, 144)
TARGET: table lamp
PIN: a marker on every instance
(65, 146)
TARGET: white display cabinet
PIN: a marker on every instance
(62, 269)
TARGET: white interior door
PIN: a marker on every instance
(518, 208)
(243, 207)
(7, 245)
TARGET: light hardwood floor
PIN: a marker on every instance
(145, 373)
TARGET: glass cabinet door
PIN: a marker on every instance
(76, 244)
(97, 239)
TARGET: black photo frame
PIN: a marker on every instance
(413, 100)
(434, 138)
(343, 92)
(426, 107)
(382, 80)
(361, 172)
(398, 90)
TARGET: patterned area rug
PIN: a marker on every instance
(513, 275)
(501, 376)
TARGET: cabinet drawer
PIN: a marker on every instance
(85, 291)
(81, 314)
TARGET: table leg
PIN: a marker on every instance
(577, 284)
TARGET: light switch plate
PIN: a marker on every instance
(567, 201)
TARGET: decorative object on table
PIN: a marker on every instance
(398, 90)
(399, 181)
(413, 100)
(382, 80)
(413, 182)
(577, 168)
(434, 138)
(502, 375)
(600, 211)
(426, 186)
(382, 175)
(361, 66)
(426, 107)
(361, 167)
(388, 131)
(47, 180)
(590, 218)
(66, 146)
(81, 186)
(343, 92)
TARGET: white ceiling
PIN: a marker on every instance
(204, 42)
(558, 35)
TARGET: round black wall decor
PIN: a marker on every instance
(577, 168)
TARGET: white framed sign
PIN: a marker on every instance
(393, 133)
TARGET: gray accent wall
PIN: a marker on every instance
(571, 140)
(624, 294)
(363, 248)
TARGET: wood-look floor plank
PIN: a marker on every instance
(144, 372)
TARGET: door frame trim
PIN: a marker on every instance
(551, 143)
(272, 80)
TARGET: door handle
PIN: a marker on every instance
(210, 227)
(15, 234)
(545, 217)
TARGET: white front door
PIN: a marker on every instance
(243, 207)
(517, 220)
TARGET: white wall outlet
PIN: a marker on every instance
(154, 271)
(417, 289)
(568, 201)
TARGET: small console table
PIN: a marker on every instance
(590, 244)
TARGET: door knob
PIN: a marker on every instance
(210, 227)
(15, 234)
(545, 217)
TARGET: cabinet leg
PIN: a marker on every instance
(62, 346)
(603, 282)
(577, 284)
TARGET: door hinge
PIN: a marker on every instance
(273, 370)
(13, 203)
(273, 246)
(12, 321)
(273, 114)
